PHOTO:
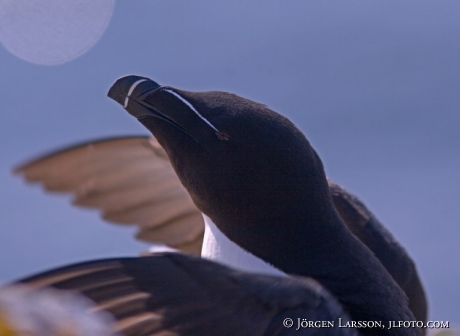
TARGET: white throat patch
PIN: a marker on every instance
(217, 247)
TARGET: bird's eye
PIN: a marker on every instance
(222, 136)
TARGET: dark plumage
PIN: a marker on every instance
(264, 186)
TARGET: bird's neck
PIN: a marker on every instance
(324, 250)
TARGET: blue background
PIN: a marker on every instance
(373, 84)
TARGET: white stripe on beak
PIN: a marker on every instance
(131, 89)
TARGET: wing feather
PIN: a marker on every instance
(131, 181)
(178, 294)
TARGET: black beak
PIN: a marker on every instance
(130, 91)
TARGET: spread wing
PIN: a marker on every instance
(131, 181)
(178, 294)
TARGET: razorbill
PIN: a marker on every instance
(261, 184)
(255, 175)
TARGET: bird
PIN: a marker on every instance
(132, 181)
(262, 190)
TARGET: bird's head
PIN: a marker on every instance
(237, 158)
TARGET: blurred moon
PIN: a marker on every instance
(52, 32)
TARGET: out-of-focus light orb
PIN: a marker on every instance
(52, 32)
